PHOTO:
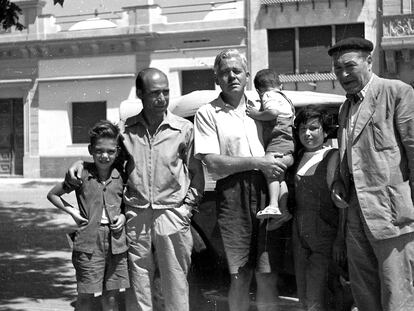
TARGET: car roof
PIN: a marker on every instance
(187, 105)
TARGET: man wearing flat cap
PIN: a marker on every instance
(376, 144)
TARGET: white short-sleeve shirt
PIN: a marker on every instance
(220, 128)
(272, 100)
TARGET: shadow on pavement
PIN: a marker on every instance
(35, 260)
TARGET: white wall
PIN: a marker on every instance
(55, 113)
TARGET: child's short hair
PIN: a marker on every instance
(103, 129)
(312, 112)
(266, 78)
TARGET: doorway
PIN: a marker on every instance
(11, 137)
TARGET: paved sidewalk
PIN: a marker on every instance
(35, 261)
(36, 272)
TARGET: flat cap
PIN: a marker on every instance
(351, 43)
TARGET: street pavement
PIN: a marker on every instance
(36, 271)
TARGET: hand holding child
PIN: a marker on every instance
(251, 111)
(272, 165)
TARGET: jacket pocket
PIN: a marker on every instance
(383, 135)
(402, 208)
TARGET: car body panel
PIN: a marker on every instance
(187, 105)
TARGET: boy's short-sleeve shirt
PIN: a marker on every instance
(223, 129)
(93, 196)
(273, 100)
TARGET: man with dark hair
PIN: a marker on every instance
(376, 144)
(165, 183)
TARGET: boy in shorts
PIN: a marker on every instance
(277, 115)
(99, 245)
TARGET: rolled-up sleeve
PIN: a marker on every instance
(205, 133)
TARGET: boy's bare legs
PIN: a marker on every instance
(239, 299)
(110, 300)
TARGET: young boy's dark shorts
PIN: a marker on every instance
(101, 270)
(278, 135)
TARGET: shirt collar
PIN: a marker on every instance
(170, 120)
(93, 173)
(220, 104)
(364, 91)
(355, 98)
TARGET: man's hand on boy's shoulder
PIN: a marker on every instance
(73, 175)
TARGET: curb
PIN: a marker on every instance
(29, 181)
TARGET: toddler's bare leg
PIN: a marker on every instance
(272, 210)
(274, 192)
(283, 197)
(277, 207)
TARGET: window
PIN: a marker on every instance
(314, 42)
(193, 80)
(84, 116)
(282, 50)
(349, 30)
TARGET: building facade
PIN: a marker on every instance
(73, 66)
(398, 39)
(293, 37)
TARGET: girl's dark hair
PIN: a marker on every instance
(103, 129)
(312, 112)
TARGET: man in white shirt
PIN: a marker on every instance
(229, 143)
